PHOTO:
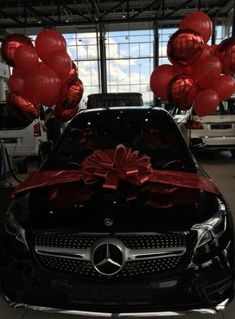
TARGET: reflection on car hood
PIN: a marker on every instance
(126, 215)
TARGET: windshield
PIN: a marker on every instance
(150, 132)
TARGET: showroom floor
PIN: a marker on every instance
(222, 169)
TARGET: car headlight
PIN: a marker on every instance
(210, 231)
(14, 228)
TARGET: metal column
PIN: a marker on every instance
(213, 37)
(233, 26)
(103, 68)
(155, 54)
(2, 90)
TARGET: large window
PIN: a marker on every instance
(83, 49)
(129, 58)
(130, 62)
(164, 36)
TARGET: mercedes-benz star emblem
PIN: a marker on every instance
(108, 222)
(108, 257)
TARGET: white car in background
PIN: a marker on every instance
(213, 132)
(19, 137)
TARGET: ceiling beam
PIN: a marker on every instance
(183, 5)
(113, 8)
(146, 8)
(38, 14)
(9, 16)
(76, 12)
(162, 20)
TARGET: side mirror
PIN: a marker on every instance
(44, 151)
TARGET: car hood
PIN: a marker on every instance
(103, 212)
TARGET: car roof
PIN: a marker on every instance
(126, 108)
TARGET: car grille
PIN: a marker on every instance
(131, 269)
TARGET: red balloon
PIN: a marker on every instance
(73, 74)
(224, 85)
(26, 58)
(213, 48)
(10, 44)
(160, 78)
(65, 114)
(181, 69)
(22, 107)
(207, 71)
(44, 85)
(199, 22)
(181, 91)
(71, 93)
(207, 51)
(48, 42)
(230, 56)
(206, 102)
(185, 47)
(227, 53)
(60, 63)
(74, 71)
(16, 83)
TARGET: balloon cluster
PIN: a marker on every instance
(42, 75)
(200, 74)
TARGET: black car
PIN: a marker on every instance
(119, 221)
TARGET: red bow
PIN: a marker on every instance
(120, 164)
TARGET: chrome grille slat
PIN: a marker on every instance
(130, 254)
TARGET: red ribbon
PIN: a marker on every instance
(120, 164)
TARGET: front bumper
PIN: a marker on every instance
(86, 314)
(205, 290)
(189, 288)
(212, 143)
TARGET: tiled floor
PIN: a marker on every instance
(222, 169)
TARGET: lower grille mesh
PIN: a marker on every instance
(130, 269)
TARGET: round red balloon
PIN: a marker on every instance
(60, 63)
(160, 78)
(224, 85)
(226, 53)
(22, 107)
(213, 48)
(71, 93)
(184, 69)
(48, 42)
(181, 91)
(207, 71)
(26, 58)
(65, 114)
(16, 83)
(44, 85)
(206, 102)
(207, 51)
(185, 47)
(199, 22)
(73, 73)
(10, 44)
